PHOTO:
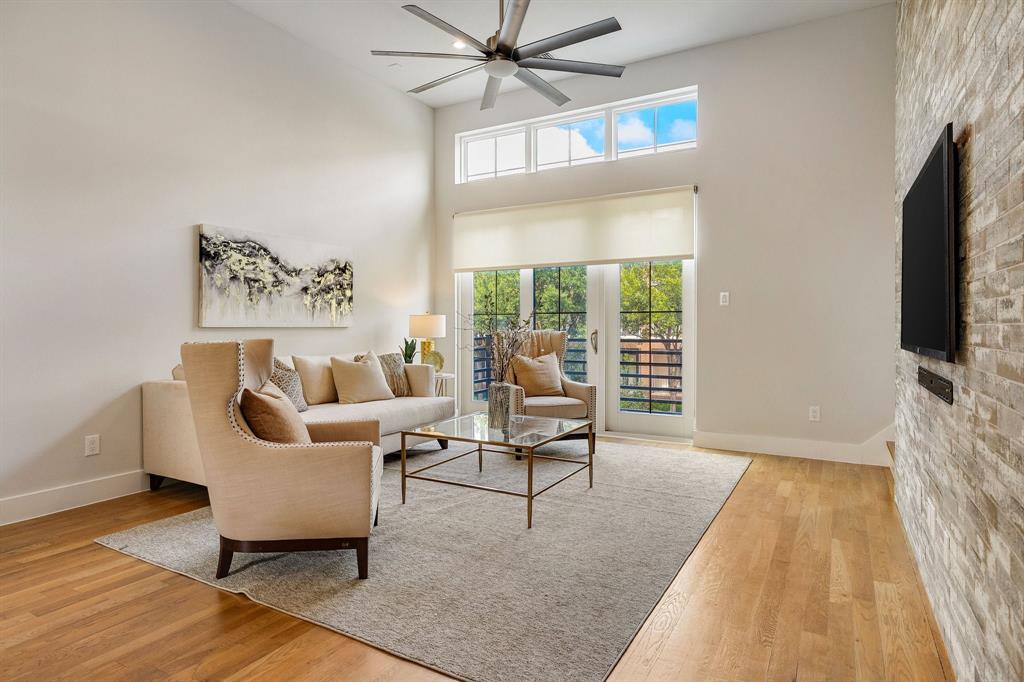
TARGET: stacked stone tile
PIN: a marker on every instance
(960, 469)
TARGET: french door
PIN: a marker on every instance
(630, 328)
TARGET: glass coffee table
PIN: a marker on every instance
(522, 437)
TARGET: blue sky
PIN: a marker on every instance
(675, 123)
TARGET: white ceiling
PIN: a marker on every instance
(349, 29)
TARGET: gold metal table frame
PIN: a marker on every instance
(515, 450)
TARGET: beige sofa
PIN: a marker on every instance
(170, 449)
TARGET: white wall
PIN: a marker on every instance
(123, 126)
(794, 166)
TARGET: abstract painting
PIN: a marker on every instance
(248, 279)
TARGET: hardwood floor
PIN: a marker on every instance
(804, 575)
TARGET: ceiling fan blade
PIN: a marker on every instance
(431, 55)
(511, 24)
(446, 27)
(490, 93)
(572, 66)
(576, 35)
(449, 77)
(542, 86)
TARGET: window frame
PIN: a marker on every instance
(559, 312)
(608, 111)
(493, 137)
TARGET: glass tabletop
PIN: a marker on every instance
(522, 430)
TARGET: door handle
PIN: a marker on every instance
(593, 340)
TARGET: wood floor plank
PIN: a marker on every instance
(805, 574)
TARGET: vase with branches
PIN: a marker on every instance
(504, 340)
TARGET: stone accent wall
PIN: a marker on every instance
(960, 469)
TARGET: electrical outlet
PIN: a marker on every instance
(92, 445)
(814, 413)
(723, 298)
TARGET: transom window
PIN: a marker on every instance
(644, 125)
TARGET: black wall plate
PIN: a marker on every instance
(940, 386)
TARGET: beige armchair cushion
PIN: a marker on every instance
(555, 406)
(538, 376)
(272, 416)
(360, 381)
(317, 378)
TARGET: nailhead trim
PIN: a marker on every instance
(265, 443)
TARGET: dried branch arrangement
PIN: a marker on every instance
(505, 341)
(506, 344)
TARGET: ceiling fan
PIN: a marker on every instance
(501, 57)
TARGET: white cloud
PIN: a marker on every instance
(683, 130)
(633, 132)
(580, 147)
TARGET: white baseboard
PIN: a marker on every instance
(872, 451)
(43, 502)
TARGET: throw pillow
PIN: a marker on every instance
(538, 376)
(393, 365)
(287, 379)
(317, 378)
(272, 416)
(360, 382)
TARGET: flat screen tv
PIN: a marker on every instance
(928, 309)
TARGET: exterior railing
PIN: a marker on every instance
(650, 372)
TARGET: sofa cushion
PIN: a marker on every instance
(555, 406)
(393, 366)
(360, 381)
(317, 378)
(271, 415)
(394, 415)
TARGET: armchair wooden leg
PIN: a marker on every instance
(155, 481)
(224, 562)
(443, 443)
(228, 547)
(363, 557)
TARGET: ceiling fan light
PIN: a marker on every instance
(501, 68)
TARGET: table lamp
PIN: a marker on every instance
(428, 327)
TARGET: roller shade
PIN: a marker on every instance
(656, 224)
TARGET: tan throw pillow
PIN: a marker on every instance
(538, 376)
(360, 382)
(317, 378)
(272, 416)
(394, 372)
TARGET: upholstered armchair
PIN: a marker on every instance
(579, 401)
(274, 497)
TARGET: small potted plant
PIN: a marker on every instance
(408, 349)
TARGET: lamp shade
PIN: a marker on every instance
(427, 326)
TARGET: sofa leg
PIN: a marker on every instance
(519, 454)
(224, 562)
(155, 481)
(443, 443)
(363, 557)
(376, 516)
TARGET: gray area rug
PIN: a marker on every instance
(457, 582)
